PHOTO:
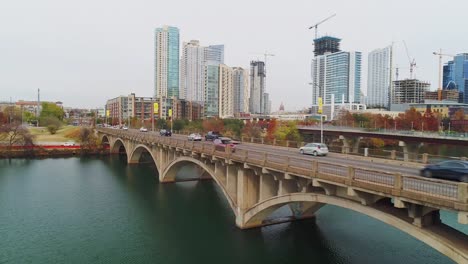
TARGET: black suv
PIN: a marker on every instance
(212, 135)
(164, 132)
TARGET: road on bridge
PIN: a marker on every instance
(391, 166)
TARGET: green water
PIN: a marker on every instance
(105, 211)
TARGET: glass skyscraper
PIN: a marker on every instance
(456, 76)
(339, 74)
(211, 90)
(166, 62)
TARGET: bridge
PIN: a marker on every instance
(258, 179)
(404, 136)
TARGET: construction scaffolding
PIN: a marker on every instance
(326, 44)
(409, 91)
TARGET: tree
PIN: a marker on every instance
(14, 134)
(233, 127)
(213, 124)
(178, 125)
(52, 110)
(52, 123)
(252, 129)
(88, 140)
(271, 130)
(288, 131)
(161, 123)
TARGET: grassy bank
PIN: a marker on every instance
(63, 134)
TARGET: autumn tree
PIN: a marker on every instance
(88, 140)
(252, 129)
(288, 131)
(213, 124)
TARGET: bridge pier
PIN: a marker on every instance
(409, 148)
(350, 145)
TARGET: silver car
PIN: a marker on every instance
(316, 149)
(194, 137)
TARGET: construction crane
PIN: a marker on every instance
(316, 25)
(412, 62)
(265, 54)
(440, 54)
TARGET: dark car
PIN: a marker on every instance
(455, 170)
(212, 135)
(165, 132)
(222, 143)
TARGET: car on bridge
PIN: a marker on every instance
(194, 137)
(165, 132)
(212, 135)
(316, 149)
(454, 170)
(222, 143)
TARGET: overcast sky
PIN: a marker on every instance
(85, 52)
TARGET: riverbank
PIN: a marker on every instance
(47, 152)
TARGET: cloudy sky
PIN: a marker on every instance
(85, 52)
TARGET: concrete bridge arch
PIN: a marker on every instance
(114, 146)
(135, 153)
(433, 236)
(212, 170)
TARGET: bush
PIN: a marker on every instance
(52, 129)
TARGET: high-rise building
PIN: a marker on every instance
(211, 105)
(409, 91)
(193, 62)
(326, 44)
(266, 104)
(226, 92)
(214, 53)
(379, 78)
(337, 74)
(257, 87)
(192, 81)
(166, 62)
(456, 76)
(240, 80)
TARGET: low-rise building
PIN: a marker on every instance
(443, 109)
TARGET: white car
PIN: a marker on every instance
(143, 129)
(194, 137)
(125, 128)
(316, 149)
(69, 144)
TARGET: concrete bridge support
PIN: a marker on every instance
(410, 150)
(350, 145)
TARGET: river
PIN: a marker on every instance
(101, 210)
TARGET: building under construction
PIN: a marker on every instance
(446, 95)
(409, 91)
(326, 44)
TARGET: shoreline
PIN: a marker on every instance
(51, 153)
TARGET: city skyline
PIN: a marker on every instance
(83, 56)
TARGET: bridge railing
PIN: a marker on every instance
(439, 192)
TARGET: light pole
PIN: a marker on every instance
(152, 114)
(321, 129)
